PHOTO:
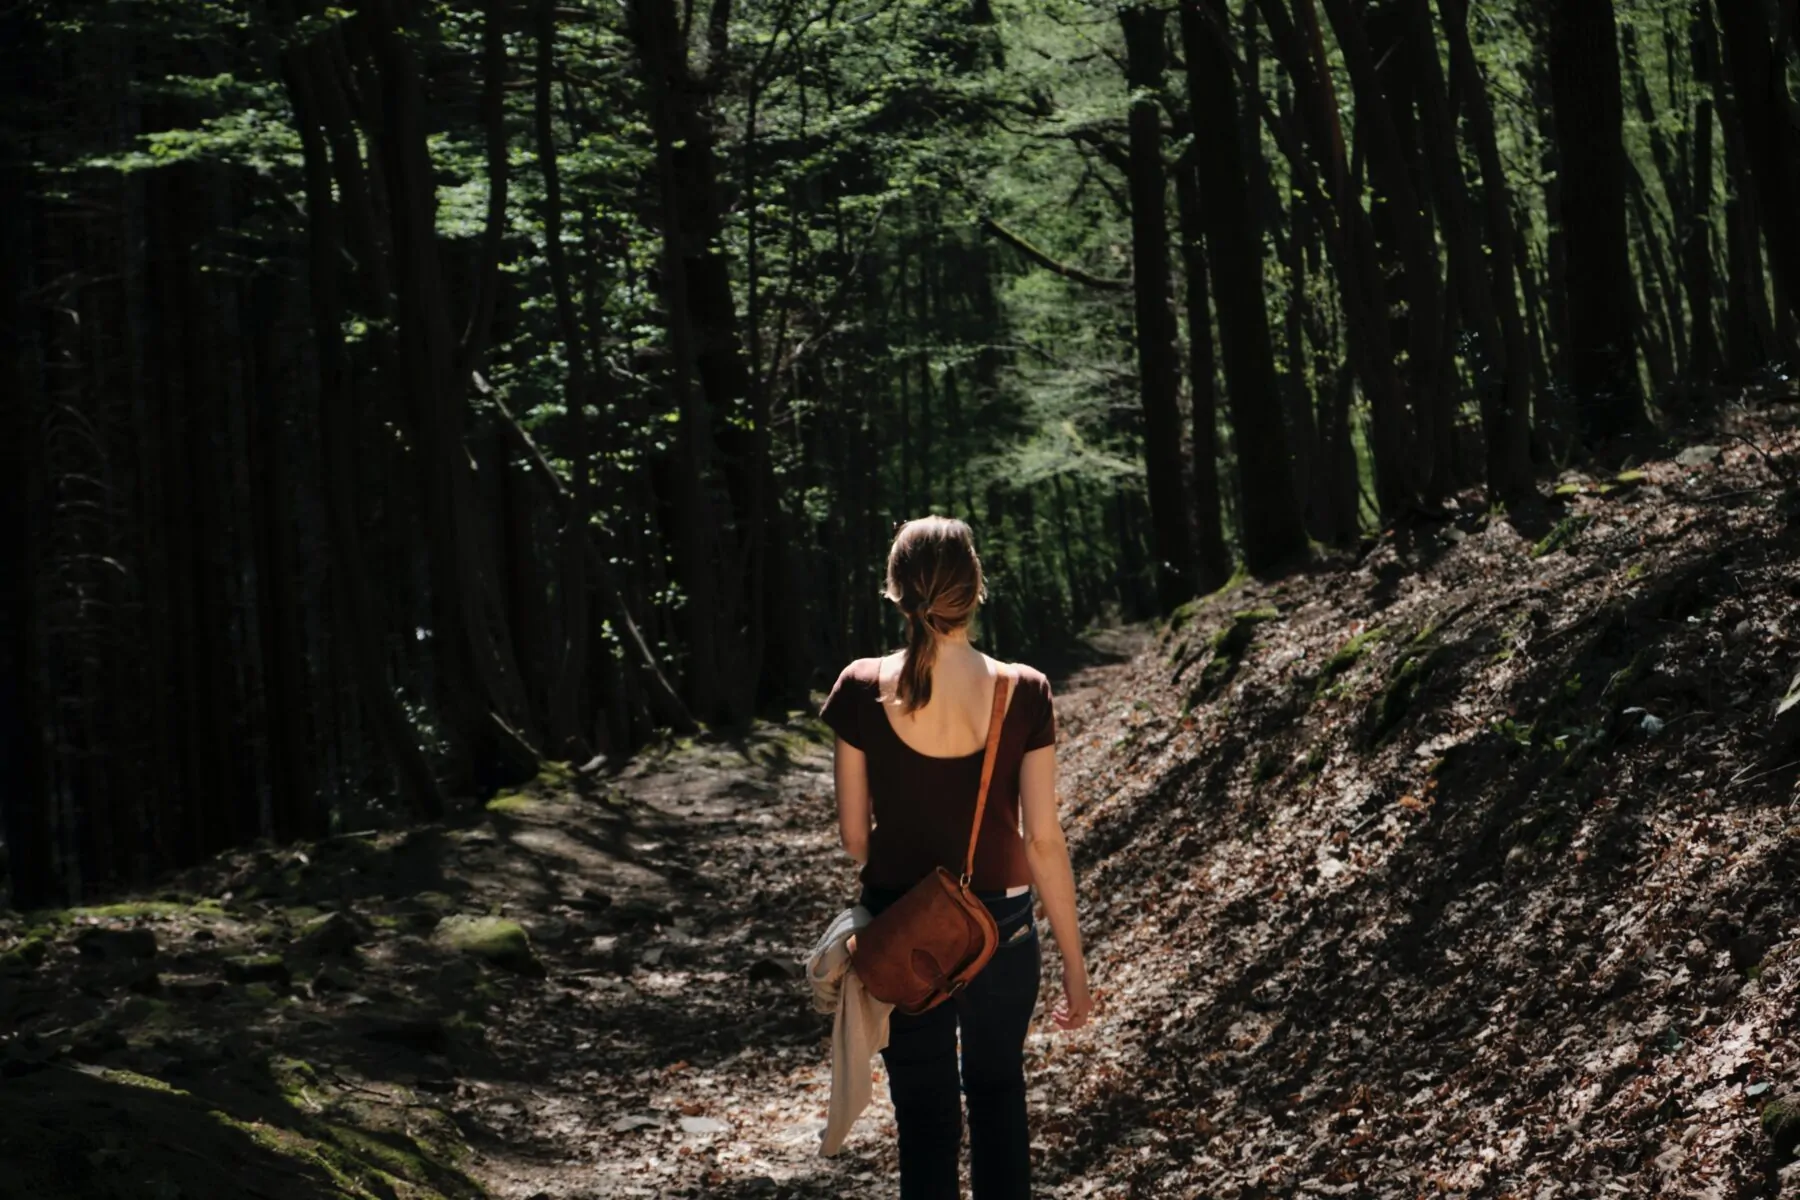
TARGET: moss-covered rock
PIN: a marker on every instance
(268, 969)
(24, 958)
(494, 940)
(334, 933)
(1781, 1121)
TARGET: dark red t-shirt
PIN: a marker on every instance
(923, 803)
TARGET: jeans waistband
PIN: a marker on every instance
(1006, 910)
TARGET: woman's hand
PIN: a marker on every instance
(1072, 1011)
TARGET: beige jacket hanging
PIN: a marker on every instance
(858, 1032)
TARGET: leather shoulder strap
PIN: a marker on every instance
(1002, 685)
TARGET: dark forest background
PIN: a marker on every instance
(401, 396)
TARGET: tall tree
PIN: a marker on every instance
(1273, 530)
(1582, 48)
(24, 799)
(1506, 412)
(302, 65)
(1317, 155)
(1770, 120)
(566, 731)
(1696, 214)
(1159, 371)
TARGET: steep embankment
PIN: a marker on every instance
(1468, 869)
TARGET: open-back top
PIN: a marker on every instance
(924, 803)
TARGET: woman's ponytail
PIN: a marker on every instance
(915, 670)
(934, 576)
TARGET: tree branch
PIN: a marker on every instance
(1050, 264)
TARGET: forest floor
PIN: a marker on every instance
(1464, 867)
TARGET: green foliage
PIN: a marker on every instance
(1347, 656)
(1229, 646)
(1561, 535)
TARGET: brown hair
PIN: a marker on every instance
(934, 577)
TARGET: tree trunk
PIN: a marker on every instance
(1273, 531)
(1378, 129)
(1662, 157)
(1749, 330)
(293, 797)
(1583, 53)
(568, 734)
(1213, 560)
(349, 585)
(708, 377)
(1350, 240)
(1704, 360)
(1659, 323)
(1159, 372)
(1771, 127)
(480, 690)
(24, 797)
(1506, 409)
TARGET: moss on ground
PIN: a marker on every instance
(511, 804)
(555, 776)
(494, 940)
(1347, 656)
(1408, 676)
(1560, 536)
(127, 911)
(28, 955)
(103, 1134)
(1229, 646)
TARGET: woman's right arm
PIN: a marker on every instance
(1048, 853)
(850, 769)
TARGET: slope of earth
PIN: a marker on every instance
(1467, 869)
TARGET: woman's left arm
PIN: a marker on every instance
(850, 769)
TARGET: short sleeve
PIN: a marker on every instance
(1043, 727)
(843, 707)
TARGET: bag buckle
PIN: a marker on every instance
(963, 882)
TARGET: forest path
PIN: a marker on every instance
(1465, 866)
(673, 1050)
(587, 988)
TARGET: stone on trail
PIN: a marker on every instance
(702, 1125)
(24, 958)
(334, 933)
(258, 968)
(771, 970)
(1781, 1121)
(116, 945)
(494, 940)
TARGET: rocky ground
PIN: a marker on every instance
(1464, 866)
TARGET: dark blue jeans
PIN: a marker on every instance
(992, 1013)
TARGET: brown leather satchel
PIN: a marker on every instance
(928, 945)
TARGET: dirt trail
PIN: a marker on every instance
(587, 988)
(679, 1052)
(1463, 867)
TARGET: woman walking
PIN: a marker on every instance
(911, 733)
